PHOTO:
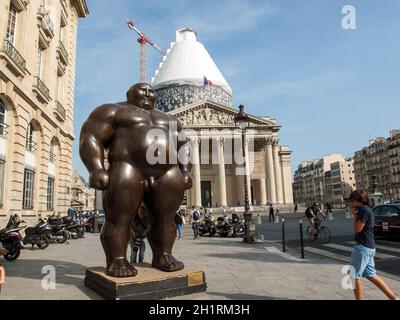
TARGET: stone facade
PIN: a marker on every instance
(343, 181)
(83, 197)
(211, 129)
(174, 97)
(37, 75)
(309, 180)
(380, 160)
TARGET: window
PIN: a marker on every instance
(27, 201)
(2, 118)
(12, 24)
(52, 155)
(2, 169)
(50, 194)
(39, 61)
(30, 144)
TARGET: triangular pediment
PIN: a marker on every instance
(210, 114)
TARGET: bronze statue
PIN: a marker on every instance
(123, 129)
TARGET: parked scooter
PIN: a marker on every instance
(74, 230)
(207, 228)
(38, 235)
(58, 233)
(224, 228)
(10, 239)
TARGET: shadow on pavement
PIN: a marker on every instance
(243, 296)
(67, 273)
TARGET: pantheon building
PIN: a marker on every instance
(190, 87)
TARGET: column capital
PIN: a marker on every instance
(275, 142)
(195, 142)
(268, 141)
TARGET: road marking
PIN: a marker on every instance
(327, 254)
(276, 251)
(349, 249)
(381, 247)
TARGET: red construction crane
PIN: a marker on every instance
(143, 40)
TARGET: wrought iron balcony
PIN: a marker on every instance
(63, 53)
(3, 129)
(42, 88)
(31, 145)
(52, 157)
(59, 111)
(14, 55)
(47, 24)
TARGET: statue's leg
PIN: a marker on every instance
(162, 205)
(121, 201)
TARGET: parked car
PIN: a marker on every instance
(387, 219)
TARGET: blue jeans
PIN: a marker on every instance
(179, 228)
(362, 260)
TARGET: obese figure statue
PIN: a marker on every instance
(124, 129)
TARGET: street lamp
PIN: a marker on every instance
(242, 122)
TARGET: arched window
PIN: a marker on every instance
(3, 125)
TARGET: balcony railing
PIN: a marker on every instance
(47, 24)
(52, 157)
(42, 88)
(14, 55)
(60, 110)
(31, 145)
(63, 51)
(3, 129)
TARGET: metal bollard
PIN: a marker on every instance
(301, 239)
(283, 235)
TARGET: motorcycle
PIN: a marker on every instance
(10, 239)
(58, 233)
(207, 227)
(74, 230)
(38, 235)
(224, 228)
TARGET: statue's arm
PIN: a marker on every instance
(95, 134)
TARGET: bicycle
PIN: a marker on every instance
(323, 234)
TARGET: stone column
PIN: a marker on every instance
(278, 173)
(221, 173)
(196, 173)
(270, 171)
(263, 192)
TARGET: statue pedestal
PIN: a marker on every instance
(149, 284)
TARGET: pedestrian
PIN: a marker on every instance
(328, 208)
(295, 208)
(2, 270)
(195, 219)
(362, 258)
(179, 222)
(271, 213)
(140, 226)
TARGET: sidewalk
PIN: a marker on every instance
(234, 270)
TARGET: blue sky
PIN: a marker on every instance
(331, 90)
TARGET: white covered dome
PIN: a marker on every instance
(188, 62)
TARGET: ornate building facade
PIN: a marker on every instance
(190, 87)
(380, 162)
(37, 76)
(83, 197)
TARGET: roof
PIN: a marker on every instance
(188, 62)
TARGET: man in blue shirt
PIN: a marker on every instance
(362, 258)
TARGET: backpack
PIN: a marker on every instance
(196, 215)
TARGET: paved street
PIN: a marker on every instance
(340, 244)
(233, 269)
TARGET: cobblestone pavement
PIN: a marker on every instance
(234, 270)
